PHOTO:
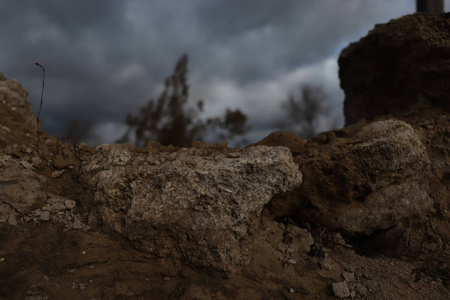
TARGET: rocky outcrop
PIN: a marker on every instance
(162, 222)
(20, 188)
(198, 204)
(381, 184)
(400, 69)
(398, 64)
(362, 183)
(203, 201)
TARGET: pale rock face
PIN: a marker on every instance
(394, 163)
(391, 153)
(206, 203)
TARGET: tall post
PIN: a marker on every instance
(434, 7)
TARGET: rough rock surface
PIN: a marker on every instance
(284, 138)
(398, 64)
(203, 201)
(12, 94)
(85, 229)
(20, 187)
(364, 183)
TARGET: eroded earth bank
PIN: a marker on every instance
(360, 212)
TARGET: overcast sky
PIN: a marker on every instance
(107, 58)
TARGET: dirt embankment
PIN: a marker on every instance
(356, 213)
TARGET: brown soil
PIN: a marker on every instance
(48, 260)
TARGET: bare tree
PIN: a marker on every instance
(229, 126)
(304, 112)
(80, 131)
(170, 121)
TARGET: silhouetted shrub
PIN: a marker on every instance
(303, 113)
(169, 119)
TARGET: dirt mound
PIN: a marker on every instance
(398, 64)
(361, 212)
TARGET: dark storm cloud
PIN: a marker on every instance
(105, 58)
(74, 40)
(251, 40)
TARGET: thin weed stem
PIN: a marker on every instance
(40, 106)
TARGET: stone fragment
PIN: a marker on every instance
(54, 207)
(205, 204)
(20, 187)
(328, 264)
(66, 158)
(291, 261)
(233, 155)
(77, 225)
(85, 147)
(363, 183)
(340, 289)
(70, 204)
(348, 276)
(44, 215)
(57, 173)
(36, 161)
(12, 220)
(301, 239)
(361, 289)
(26, 165)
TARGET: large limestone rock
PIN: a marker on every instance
(396, 65)
(365, 182)
(197, 203)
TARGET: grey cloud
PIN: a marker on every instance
(105, 58)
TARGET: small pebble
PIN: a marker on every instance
(57, 173)
(233, 155)
(77, 225)
(348, 276)
(291, 261)
(361, 289)
(340, 289)
(26, 165)
(70, 204)
(45, 215)
(12, 220)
